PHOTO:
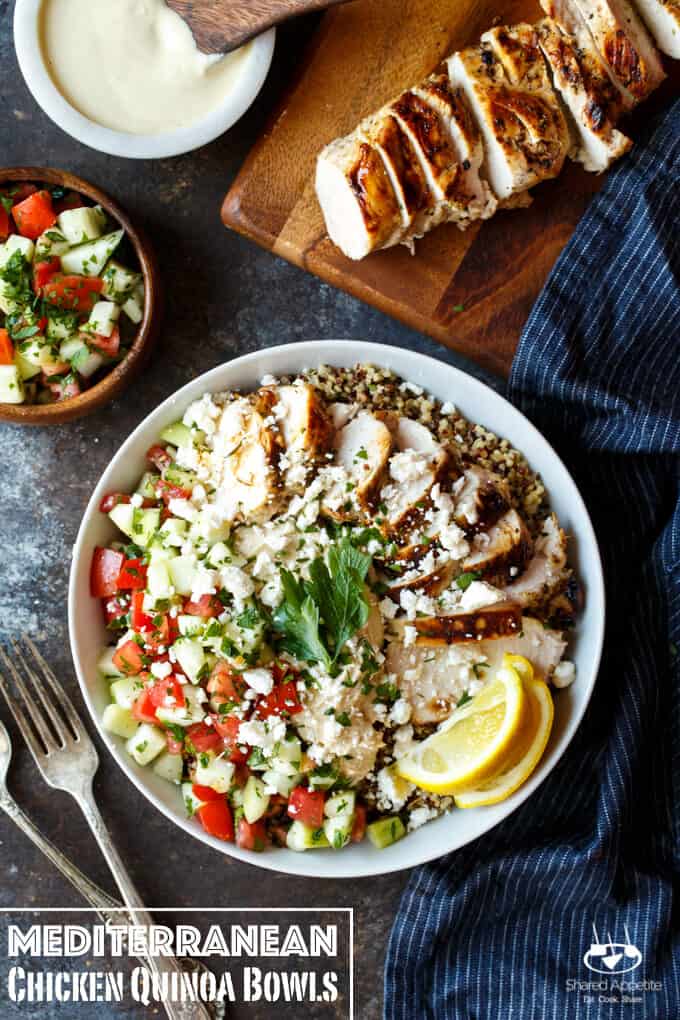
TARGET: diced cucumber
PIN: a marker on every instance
(145, 524)
(287, 757)
(62, 327)
(169, 767)
(183, 572)
(323, 777)
(190, 656)
(122, 516)
(217, 773)
(342, 803)
(302, 837)
(219, 554)
(173, 531)
(158, 581)
(178, 476)
(282, 784)
(89, 259)
(338, 830)
(159, 553)
(255, 800)
(147, 485)
(191, 712)
(71, 347)
(27, 370)
(191, 802)
(134, 306)
(178, 434)
(386, 831)
(11, 385)
(37, 351)
(103, 318)
(85, 361)
(236, 796)
(189, 626)
(119, 721)
(208, 527)
(119, 282)
(80, 225)
(50, 244)
(106, 665)
(15, 242)
(146, 744)
(126, 691)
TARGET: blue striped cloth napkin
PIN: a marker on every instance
(500, 928)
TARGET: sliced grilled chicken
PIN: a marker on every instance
(306, 430)
(402, 164)
(568, 17)
(662, 18)
(624, 44)
(503, 549)
(430, 678)
(360, 208)
(465, 138)
(430, 582)
(363, 447)
(588, 94)
(546, 571)
(524, 130)
(341, 414)
(482, 497)
(245, 456)
(499, 620)
(406, 496)
(373, 630)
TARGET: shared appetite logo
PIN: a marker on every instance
(611, 963)
(612, 957)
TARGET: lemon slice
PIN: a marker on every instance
(474, 743)
(525, 754)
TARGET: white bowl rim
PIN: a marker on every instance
(406, 364)
(121, 143)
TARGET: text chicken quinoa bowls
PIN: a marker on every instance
(333, 601)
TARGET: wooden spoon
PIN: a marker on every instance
(222, 25)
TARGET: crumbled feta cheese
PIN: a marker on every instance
(479, 594)
(400, 712)
(410, 635)
(388, 608)
(161, 669)
(265, 734)
(393, 791)
(260, 679)
(420, 815)
(448, 408)
(182, 508)
(564, 674)
(136, 499)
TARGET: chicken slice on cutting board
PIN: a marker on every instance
(588, 93)
(500, 551)
(662, 18)
(363, 447)
(624, 44)
(356, 195)
(430, 678)
(524, 130)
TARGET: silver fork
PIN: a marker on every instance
(68, 761)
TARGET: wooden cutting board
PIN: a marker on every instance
(470, 290)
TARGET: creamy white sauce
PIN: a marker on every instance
(133, 65)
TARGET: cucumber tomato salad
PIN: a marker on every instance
(62, 292)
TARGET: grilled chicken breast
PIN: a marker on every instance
(546, 572)
(245, 458)
(662, 18)
(498, 620)
(504, 549)
(363, 447)
(524, 130)
(589, 95)
(624, 44)
(481, 498)
(305, 429)
(360, 207)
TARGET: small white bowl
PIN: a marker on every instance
(120, 143)
(479, 403)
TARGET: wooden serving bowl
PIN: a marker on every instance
(137, 354)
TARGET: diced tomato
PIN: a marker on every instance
(283, 700)
(359, 824)
(6, 347)
(251, 836)
(18, 192)
(129, 658)
(77, 293)
(159, 457)
(114, 609)
(43, 273)
(217, 820)
(5, 225)
(42, 323)
(166, 492)
(108, 345)
(283, 671)
(139, 620)
(132, 575)
(112, 499)
(71, 200)
(167, 693)
(161, 632)
(241, 775)
(204, 738)
(227, 727)
(106, 564)
(174, 745)
(144, 709)
(206, 607)
(66, 390)
(306, 806)
(58, 368)
(34, 214)
(225, 684)
(205, 793)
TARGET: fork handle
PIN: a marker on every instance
(158, 964)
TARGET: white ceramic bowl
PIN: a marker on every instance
(119, 143)
(476, 401)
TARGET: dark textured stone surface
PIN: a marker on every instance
(225, 297)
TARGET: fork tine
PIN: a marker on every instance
(58, 724)
(20, 717)
(79, 731)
